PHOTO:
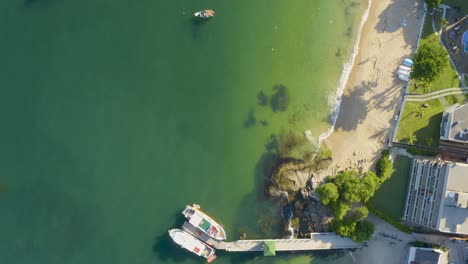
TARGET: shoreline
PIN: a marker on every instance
(347, 69)
(369, 99)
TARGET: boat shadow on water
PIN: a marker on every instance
(165, 249)
(196, 25)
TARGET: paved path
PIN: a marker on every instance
(318, 241)
(436, 94)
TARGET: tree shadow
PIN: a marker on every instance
(262, 98)
(356, 107)
(279, 101)
(393, 18)
(251, 120)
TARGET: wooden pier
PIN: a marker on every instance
(318, 241)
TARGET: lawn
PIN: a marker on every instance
(390, 198)
(426, 128)
(462, 4)
(447, 79)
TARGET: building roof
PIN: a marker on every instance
(269, 248)
(453, 214)
(455, 123)
(423, 256)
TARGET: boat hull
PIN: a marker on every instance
(192, 244)
(204, 223)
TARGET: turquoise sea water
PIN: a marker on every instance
(115, 114)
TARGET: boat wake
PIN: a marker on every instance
(335, 102)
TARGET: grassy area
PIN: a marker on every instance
(447, 79)
(462, 4)
(427, 27)
(390, 197)
(425, 127)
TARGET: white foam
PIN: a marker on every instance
(347, 67)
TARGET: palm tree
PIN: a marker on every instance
(419, 112)
(411, 138)
(425, 86)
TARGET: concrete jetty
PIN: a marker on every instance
(317, 241)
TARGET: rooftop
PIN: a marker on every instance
(455, 123)
(423, 256)
(453, 215)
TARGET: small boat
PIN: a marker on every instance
(205, 13)
(404, 68)
(192, 244)
(403, 77)
(408, 62)
(203, 222)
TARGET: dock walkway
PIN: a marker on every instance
(318, 241)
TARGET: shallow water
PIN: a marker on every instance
(115, 114)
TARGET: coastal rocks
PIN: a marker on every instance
(290, 177)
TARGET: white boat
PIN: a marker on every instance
(406, 73)
(205, 13)
(404, 68)
(203, 222)
(408, 62)
(403, 77)
(192, 244)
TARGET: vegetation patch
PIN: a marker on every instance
(395, 187)
(340, 192)
(420, 125)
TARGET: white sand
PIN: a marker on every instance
(373, 93)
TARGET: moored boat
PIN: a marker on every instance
(203, 222)
(192, 244)
(205, 13)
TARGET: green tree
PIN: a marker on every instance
(348, 185)
(369, 184)
(431, 4)
(425, 86)
(344, 227)
(360, 213)
(363, 231)
(339, 209)
(384, 168)
(444, 23)
(328, 192)
(419, 112)
(411, 138)
(429, 61)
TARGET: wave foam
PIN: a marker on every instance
(348, 66)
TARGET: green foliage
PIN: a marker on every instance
(328, 192)
(429, 61)
(363, 231)
(420, 152)
(347, 183)
(357, 230)
(293, 145)
(388, 219)
(360, 213)
(354, 187)
(411, 138)
(345, 227)
(432, 4)
(369, 184)
(339, 209)
(384, 167)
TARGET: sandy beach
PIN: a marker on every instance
(371, 100)
(373, 93)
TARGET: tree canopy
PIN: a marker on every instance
(429, 61)
(360, 213)
(431, 4)
(328, 192)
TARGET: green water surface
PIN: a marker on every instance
(116, 113)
